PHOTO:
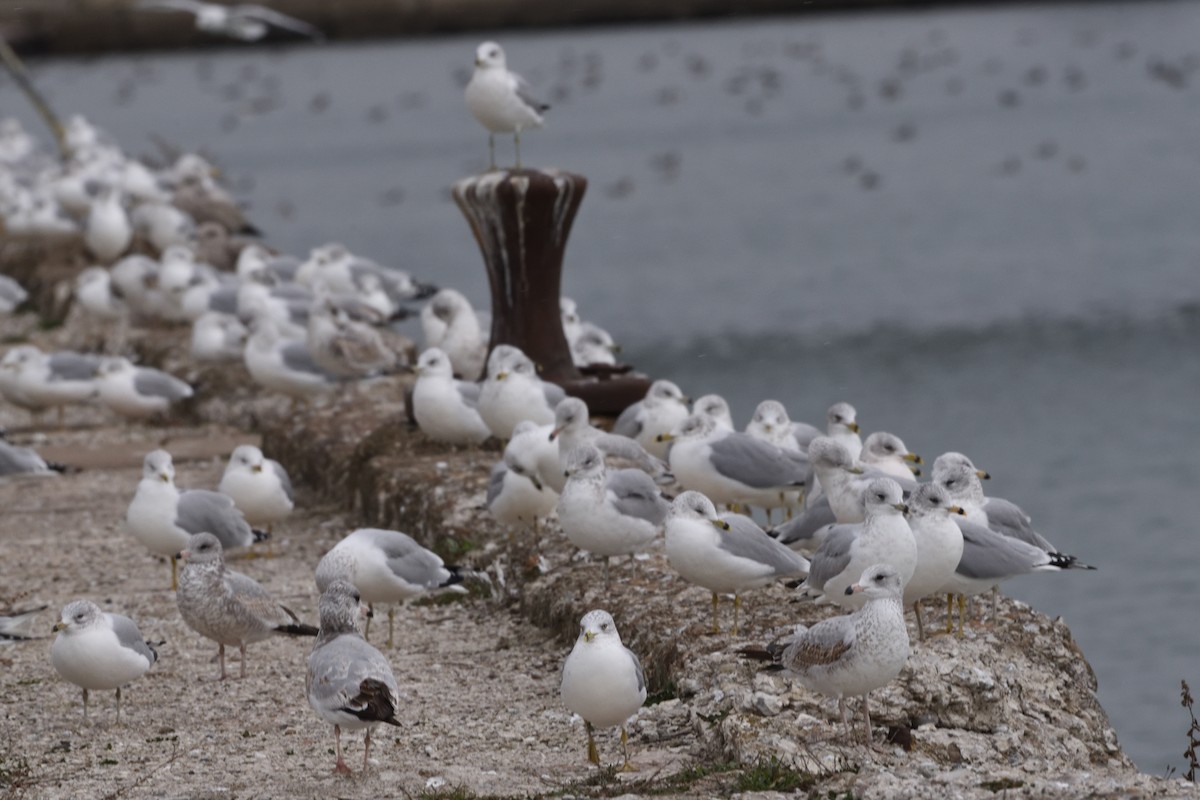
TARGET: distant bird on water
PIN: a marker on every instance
(501, 100)
(246, 22)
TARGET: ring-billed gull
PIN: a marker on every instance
(17, 626)
(227, 606)
(501, 100)
(771, 423)
(608, 513)
(602, 680)
(164, 518)
(883, 537)
(107, 231)
(594, 346)
(947, 460)
(990, 558)
(349, 683)
(852, 654)
(516, 492)
(715, 408)
(887, 453)
(23, 462)
(660, 411)
(726, 554)
(731, 467)
(259, 486)
(99, 651)
(451, 324)
(137, 392)
(246, 22)
(842, 427)
(512, 391)
(961, 480)
(386, 567)
(573, 429)
(284, 365)
(939, 545)
(445, 408)
(218, 337)
(53, 380)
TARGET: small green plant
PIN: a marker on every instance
(773, 775)
(1193, 733)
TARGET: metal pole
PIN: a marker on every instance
(17, 69)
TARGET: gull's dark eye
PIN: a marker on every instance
(934, 501)
(889, 448)
(604, 626)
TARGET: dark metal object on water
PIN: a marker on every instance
(521, 220)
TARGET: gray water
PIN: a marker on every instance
(977, 226)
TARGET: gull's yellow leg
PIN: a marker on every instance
(737, 606)
(593, 754)
(626, 766)
(715, 627)
(391, 624)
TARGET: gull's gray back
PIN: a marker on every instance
(636, 495)
(129, 636)
(756, 463)
(834, 554)
(745, 539)
(202, 511)
(152, 383)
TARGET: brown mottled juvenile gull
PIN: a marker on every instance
(852, 654)
(226, 606)
(349, 683)
(99, 651)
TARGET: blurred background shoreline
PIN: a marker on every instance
(63, 27)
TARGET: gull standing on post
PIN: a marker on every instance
(501, 100)
(602, 680)
(99, 651)
(349, 683)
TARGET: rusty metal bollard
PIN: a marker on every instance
(521, 220)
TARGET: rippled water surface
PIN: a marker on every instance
(977, 226)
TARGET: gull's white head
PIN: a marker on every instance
(598, 625)
(930, 499)
(434, 363)
(880, 446)
(770, 416)
(158, 466)
(247, 457)
(946, 461)
(884, 496)
(694, 505)
(715, 407)
(666, 390)
(962, 484)
(841, 417)
(570, 413)
(77, 616)
(506, 360)
(584, 461)
(114, 365)
(489, 55)
(878, 581)
(695, 426)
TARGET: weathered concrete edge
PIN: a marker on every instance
(363, 455)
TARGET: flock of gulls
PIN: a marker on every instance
(848, 524)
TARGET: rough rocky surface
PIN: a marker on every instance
(1007, 711)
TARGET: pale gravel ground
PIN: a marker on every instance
(481, 686)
